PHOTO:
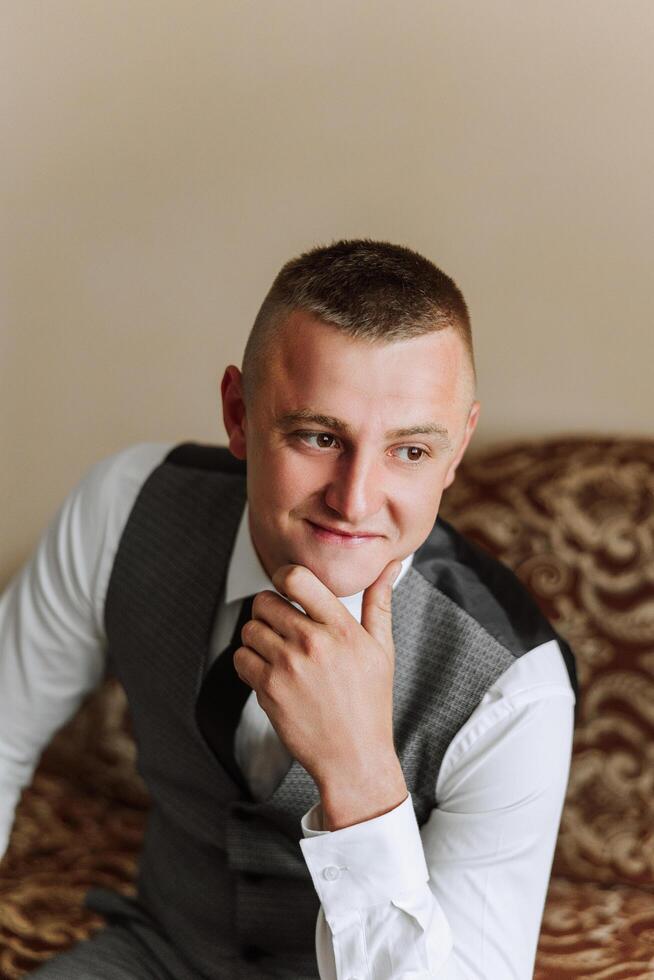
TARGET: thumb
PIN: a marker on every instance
(376, 616)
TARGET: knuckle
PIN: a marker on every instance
(341, 632)
(306, 639)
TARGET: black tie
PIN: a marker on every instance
(221, 700)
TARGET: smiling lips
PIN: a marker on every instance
(340, 537)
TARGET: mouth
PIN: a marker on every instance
(334, 536)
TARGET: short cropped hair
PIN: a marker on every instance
(371, 290)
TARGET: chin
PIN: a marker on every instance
(342, 584)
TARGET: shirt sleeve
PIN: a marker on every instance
(52, 640)
(461, 897)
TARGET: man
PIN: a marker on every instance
(368, 781)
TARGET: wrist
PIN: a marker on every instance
(353, 797)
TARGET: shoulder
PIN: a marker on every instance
(73, 557)
(206, 456)
(192, 479)
(104, 497)
(123, 470)
(491, 595)
(108, 488)
(484, 588)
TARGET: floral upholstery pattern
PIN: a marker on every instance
(79, 824)
(574, 518)
(575, 521)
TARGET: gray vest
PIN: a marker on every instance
(221, 874)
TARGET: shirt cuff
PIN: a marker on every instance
(366, 864)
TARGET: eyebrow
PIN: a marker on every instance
(330, 422)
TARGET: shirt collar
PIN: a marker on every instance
(246, 575)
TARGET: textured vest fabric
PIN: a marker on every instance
(222, 874)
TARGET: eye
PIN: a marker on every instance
(414, 449)
(321, 436)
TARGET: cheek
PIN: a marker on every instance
(285, 482)
(303, 475)
(419, 506)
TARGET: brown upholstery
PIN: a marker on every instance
(574, 517)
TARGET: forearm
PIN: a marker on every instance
(462, 896)
(378, 918)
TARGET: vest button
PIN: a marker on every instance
(250, 952)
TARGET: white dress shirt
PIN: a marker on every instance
(460, 897)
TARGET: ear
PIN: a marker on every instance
(231, 389)
(471, 425)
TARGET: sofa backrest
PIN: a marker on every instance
(574, 518)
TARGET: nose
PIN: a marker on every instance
(356, 491)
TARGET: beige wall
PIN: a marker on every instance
(161, 160)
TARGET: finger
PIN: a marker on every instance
(249, 666)
(300, 585)
(279, 614)
(376, 615)
(259, 636)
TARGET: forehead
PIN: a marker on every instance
(309, 358)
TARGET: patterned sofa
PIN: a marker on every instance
(574, 517)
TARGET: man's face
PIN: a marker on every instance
(350, 471)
